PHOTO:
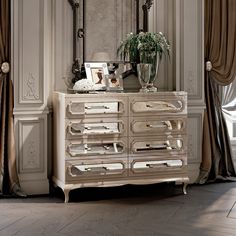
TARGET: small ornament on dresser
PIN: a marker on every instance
(84, 86)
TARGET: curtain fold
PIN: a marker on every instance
(9, 182)
(220, 53)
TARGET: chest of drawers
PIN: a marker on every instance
(111, 139)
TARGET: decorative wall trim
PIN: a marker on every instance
(30, 47)
(30, 88)
(192, 40)
(31, 145)
(31, 151)
(195, 118)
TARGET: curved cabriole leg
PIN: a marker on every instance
(185, 188)
(66, 193)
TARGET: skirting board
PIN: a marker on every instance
(35, 187)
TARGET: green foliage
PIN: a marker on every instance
(143, 47)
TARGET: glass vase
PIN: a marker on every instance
(144, 72)
(153, 76)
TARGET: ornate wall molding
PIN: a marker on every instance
(28, 47)
(192, 49)
(31, 145)
(195, 118)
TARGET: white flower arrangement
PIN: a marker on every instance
(84, 85)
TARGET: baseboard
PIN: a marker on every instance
(35, 187)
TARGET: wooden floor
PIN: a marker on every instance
(161, 210)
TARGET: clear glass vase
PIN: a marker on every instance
(144, 72)
(153, 76)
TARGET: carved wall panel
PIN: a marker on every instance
(195, 118)
(28, 41)
(31, 151)
(191, 35)
(31, 73)
(31, 144)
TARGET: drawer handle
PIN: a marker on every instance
(156, 165)
(96, 127)
(149, 105)
(97, 107)
(164, 145)
(157, 126)
(96, 169)
(165, 124)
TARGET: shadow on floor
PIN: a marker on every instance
(157, 191)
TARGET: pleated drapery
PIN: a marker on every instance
(220, 58)
(9, 182)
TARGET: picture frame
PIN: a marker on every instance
(97, 73)
(114, 83)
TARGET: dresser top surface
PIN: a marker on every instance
(121, 94)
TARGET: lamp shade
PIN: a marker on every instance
(101, 56)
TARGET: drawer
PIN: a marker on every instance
(78, 108)
(158, 145)
(155, 166)
(157, 126)
(95, 148)
(96, 127)
(158, 106)
(96, 170)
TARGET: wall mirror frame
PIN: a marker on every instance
(80, 8)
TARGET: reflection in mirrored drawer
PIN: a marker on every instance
(83, 108)
(155, 165)
(149, 126)
(105, 148)
(86, 170)
(157, 106)
(164, 145)
(99, 128)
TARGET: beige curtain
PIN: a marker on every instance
(9, 182)
(220, 57)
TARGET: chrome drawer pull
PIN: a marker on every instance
(149, 106)
(87, 148)
(97, 107)
(96, 127)
(164, 145)
(157, 126)
(106, 147)
(156, 165)
(96, 169)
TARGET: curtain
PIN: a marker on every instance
(9, 182)
(229, 98)
(220, 57)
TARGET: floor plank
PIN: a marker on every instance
(161, 210)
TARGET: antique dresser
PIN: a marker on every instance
(111, 139)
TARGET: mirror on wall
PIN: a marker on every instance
(100, 25)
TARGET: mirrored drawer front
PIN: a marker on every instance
(97, 127)
(89, 108)
(138, 166)
(158, 146)
(95, 148)
(157, 106)
(85, 170)
(158, 126)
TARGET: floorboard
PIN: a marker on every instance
(159, 209)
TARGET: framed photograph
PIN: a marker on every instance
(115, 77)
(97, 72)
(114, 83)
